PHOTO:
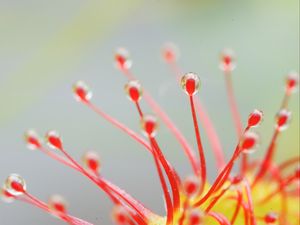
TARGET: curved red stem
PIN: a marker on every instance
(199, 144)
(170, 172)
(237, 208)
(165, 189)
(208, 125)
(169, 123)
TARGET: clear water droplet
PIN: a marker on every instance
(149, 125)
(271, 217)
(32, 140)
(15, 185)
(249, 142)
(170, 52)
(283, 119)
(255, 118)
(195, 217)
(122, 59)
(134, 90)
(82, 92)
(120, 215)
(6, 196)
(191, 186)
(53, 139)
(228, 62)
(91, 161)
(292, 81)
(190, 83)
(236, 182)
(57, 203)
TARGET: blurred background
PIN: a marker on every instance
(45, 46)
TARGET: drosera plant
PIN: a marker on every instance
(262, 192)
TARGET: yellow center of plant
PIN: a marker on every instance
(227, 204)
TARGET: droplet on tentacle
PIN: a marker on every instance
(122, 59)
(32, 140)
(195, 217)
(82, 92)
(58, 204)
(227, 63)
(297, 173)
(149, 125)
(190, 83)
(6, 196)
(271, 217)
(170, 52)
(236, 182)
(15, 185)
(255, 118)
(292, 82)
(283, 119)
(249, 142)
(54, 140)
(91, 161)
(119, 215)
(191, 186)
(134, 90)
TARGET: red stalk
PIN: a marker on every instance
(235, 114)
(245, 209)
(106, 186)
(65, 217)
(170, 172)
(206, 121)
(216, 199)
(289, 163)
(169, 123)
(271, 149)
(199, 144)
(165, 188)
(250, 202)
(267, 159)
(238, 206)
(119, 125)
(134, 204)
(222, 177)
(281, 188)
(233, 105)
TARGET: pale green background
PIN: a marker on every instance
(47, 45)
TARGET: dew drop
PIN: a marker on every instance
(249, 142)
(292, 82)
(227, 60)
(190, 83)
(271, 217)
(58, 204)
(54, 140)
(82, 92)
(134, 90)
(236, 182)
(297, 173)
(195, 217)
(283, 119)
(122, 59)
(149, 125)
(15, 185)
(191, 186)
(6, 196)
(91, 161)
(119, 215)
(170, 52)
(255, 118)
(32, 140)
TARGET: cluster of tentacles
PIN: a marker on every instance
(262, 192)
